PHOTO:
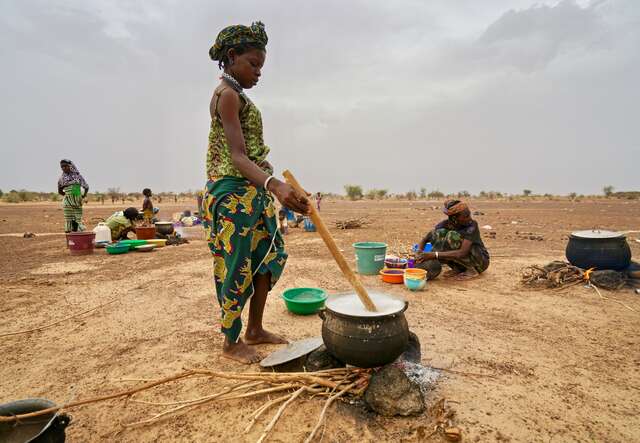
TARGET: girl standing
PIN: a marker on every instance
(239, 212)
(147, 207)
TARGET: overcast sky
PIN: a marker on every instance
(449, 95)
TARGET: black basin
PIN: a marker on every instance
(47, 428)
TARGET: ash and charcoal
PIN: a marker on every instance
(402, 387)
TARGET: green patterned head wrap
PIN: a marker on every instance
(237, 35)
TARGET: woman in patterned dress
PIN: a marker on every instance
(71, 185)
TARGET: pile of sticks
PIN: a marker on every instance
(352, 223)
(556, 275)
(330, 384)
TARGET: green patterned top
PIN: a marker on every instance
(219, 162)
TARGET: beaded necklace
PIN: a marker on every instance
(232, 81)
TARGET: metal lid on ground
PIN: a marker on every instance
(597, 233)
(292, 351)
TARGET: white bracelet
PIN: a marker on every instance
(436, 255)
(266, 182)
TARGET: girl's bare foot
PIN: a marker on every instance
(467, 275)
(240, 352)
(262, 336)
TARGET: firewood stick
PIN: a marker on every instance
(262, 409)
(275, 418)
(127, 393)
(324, 410)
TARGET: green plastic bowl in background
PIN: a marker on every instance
(117, 249)
(304, 301)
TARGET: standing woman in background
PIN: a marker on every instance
(70, 185)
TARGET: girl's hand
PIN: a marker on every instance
(289, 197)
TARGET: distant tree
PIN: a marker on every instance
(573, 195)
(12, 197)
(1, 193)
(24, 196)
(608, 190)
(483, 194)
(423, 192)
(114, 194)
(167, 195)
(373, 194)
(354, 192)
(411, 195)
(464, 194)
(435, 194)
(187, 195)
(526, 192)
(98, 197)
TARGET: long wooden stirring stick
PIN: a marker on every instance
(333, 248)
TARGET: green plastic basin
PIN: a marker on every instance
(304, 301)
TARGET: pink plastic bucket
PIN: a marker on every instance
(81, 243)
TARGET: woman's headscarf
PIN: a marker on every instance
(235, 35)
(72, 177)
(453, 207)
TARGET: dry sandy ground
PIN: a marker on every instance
(560, 366)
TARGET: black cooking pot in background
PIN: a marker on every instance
(598, 249)
(164, 227)
(366, 342)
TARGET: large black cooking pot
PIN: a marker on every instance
(598, 249)
(366, 342)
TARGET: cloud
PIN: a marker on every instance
(473, 95)
(530, 39)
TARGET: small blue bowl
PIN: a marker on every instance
(414, 284)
